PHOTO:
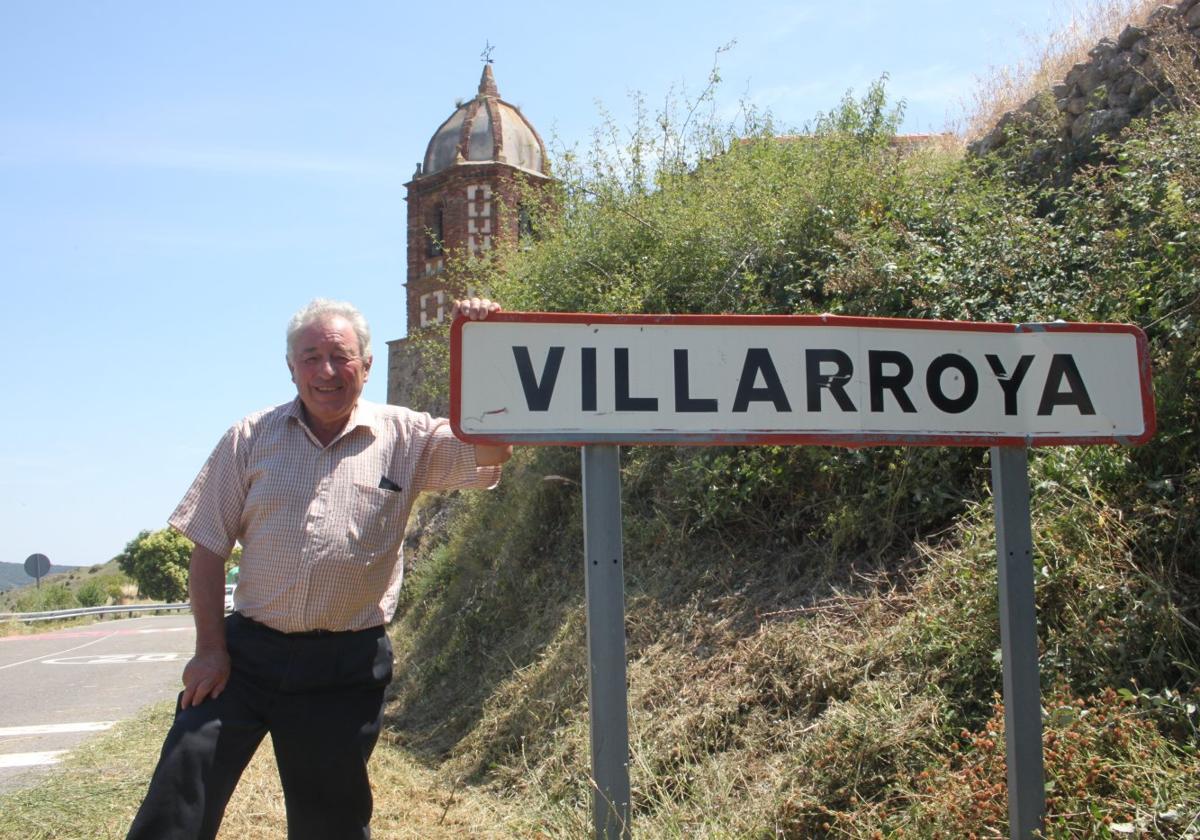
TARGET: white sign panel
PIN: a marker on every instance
(543, 378)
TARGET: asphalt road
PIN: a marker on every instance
(60, 687)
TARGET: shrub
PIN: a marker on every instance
(92, 594)
(54, 596)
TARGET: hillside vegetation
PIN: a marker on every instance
(812, 632)
(14, 576)
(67, 587)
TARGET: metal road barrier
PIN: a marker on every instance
(128, 609)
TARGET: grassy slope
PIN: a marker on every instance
(72, 578)
(772, 688)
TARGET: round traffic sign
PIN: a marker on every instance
(37, 565)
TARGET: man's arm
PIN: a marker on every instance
(208, 671)
(491, 456)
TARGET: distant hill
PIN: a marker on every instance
(13, 575)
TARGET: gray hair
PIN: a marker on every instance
(318, 310)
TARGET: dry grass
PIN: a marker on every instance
(733, 717)
(411, 803)
(94, 794)
(811, 720)
(1048, 59)
(30, 628)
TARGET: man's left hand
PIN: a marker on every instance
(477, 309)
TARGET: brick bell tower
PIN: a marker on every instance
(481, 168)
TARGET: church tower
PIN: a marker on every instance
(465, 197)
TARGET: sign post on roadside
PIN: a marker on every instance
(37, 566)
(598, 381)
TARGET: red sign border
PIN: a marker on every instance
(851, 440)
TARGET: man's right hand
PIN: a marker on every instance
(204, 676)
(207, 673)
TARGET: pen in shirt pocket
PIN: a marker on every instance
(386, 483)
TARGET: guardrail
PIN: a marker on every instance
(129, 609)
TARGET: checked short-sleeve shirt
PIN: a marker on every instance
(322, 528)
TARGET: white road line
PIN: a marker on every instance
(56, 728)
(89, 634)
(56, 653)
(31, 759)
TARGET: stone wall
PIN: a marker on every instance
(1134, 75)
(413, 369)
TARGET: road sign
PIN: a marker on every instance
(579, 379)
(36, 566)
(600, 380)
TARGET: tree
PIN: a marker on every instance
(158, 562)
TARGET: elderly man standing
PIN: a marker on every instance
(318, 492)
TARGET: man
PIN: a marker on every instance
(318, 492)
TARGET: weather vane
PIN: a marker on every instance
(486, 55)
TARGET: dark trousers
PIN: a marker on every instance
(321, 698)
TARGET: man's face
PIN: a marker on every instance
(328, 371)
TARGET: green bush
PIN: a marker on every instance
(92, 594)
(53, 596)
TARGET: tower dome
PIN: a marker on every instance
(485, 129)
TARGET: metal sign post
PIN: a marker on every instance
(1018, 642)
(597, 381)
(607, 691)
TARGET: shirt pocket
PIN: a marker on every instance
(375, 525)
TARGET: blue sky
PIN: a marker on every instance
(177, 178)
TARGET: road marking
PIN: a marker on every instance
(91, 634)
(56, 728)
(31, 759)
(57, 653)
(118, 658)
